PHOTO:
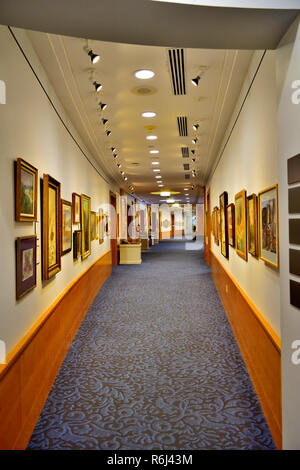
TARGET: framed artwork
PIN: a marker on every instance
(26, 191)
(240, 224)
(76, 203)
(216, 230)
(212, 222)
(268, 226)
(223, 224)
(252, 224)
(101, 226)
(77, 244)
(26, 264)
(51, 227)
(85, 226)
(230, 224)
(219, 225)
(93, 225)
(66, 227)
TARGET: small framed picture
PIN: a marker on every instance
(85, 226)
(268, 226)
(216, 226)
(26, 191)
(66, 226)
(223, 224)
(230, 224)
(51, 227)
(76, 244)
(252, 224)
(101, 226)
(93, 225)
(26, 264)
(76, 204)
(241, 224)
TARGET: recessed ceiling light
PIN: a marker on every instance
(144, 74)
(157, 170)
(151, 137)
(155, 163)
(165, 193)
(149, 114)
(154, 151)
(158, 176)
(170, 201)
(186, 189)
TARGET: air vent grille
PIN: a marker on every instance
(185, 152)
(176, 58)
(186, 166)
(187, 176)
(182, 126)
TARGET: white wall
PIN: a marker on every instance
(288, 71)
(250, 162)
(29, 128)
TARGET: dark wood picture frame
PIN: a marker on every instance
(223, 200)
(68, 204)
(22, 165)
(24, 244)
(77, 244)
(85, 226)
(230, 230)
(243, 224)
(49, 270)
(252, 224)
(76, 215)
(273, 188)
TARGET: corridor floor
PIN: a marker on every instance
(154, 365)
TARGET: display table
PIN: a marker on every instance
(130, 253)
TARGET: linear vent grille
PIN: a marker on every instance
(186, 166)
(185, 152)
(176, 58)
(182, 126)
(187, 176)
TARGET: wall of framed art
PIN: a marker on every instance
(248, 165)
(42, 147)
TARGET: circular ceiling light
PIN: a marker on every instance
(151, 137)
(144, 74)
(149, 114)
(154, 151)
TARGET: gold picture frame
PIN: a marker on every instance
(252, 224)
(230, 224)
(66, 227)
(76, 205)
(85, 226)
(93, 225)
(241, 224)
(51, 227)
(223, 199)
(268, 226)
(26, 192)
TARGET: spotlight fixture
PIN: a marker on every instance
(195, 141)
(94, 57)
(104, 121)
(148, 114)
(195, 81)
(151, 137)
(144, 74)
(97, 86)
(103, 106)
(193, 160)
(165, 193)
(122, 173)
(196, 127)
(108, 133)
(155, 163)
(193, 152)
(156, 170)
(186, 189)
(170, 201)
(125, 178)
(154, 151)
(119, 165)
(192, 187)
(113, 149)
(158, 176)
(115, 155)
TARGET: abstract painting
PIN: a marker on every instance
(240, 224)
(66, 227)
(26, 191)
(26, 264)
(268, 226)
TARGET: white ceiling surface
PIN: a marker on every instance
(211, 104)
(286, 4)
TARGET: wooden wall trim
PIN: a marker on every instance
(259, 345)
(32, 366)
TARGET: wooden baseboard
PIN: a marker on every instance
(31, 368)
(259, 345)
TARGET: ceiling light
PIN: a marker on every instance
(170, 201)
(94, 57)
(113, 149)
(158, 176)
(156, 170)
(186, 189)
(154, 151)
(115, 155)
(193, 152)
(122, 172)
(103, 106)
(151, 137)
(195, 141)
(193, 159)
(104, 121)
(148, 114)
(155, 163)
(196, 127)
(175, 205)
(195, 81)
(165, 193)
(144, 74)
(108, 133)
(125, 178)
(119, 165)
(97, 86)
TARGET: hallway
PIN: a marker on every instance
(154, 365)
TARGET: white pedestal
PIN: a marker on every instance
(131, 253)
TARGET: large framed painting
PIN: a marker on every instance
(252, 224)
(216, 230)
(101, 226)
(85, 226)
(26, 264)
(66, 226)
(51, 227)
(93, 225)
(268, 226)
(223, 224)
(77, 245)
(76, 202)
(230, 224)
(26, 191)
(240, 224)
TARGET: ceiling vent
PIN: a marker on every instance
(182, 126)
(176, 58)
(185, 152)
(186, 166)
(187, 176)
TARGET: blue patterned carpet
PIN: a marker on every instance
(154, 365)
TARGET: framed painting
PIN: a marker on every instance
(216, 230)
(219, 224)
(268, 226)
(101, 226)
(212, 222)
(240, 224)
(76, 244)
(230, 224)
(76, 203)
(66, 226)
(252, 224)
(51, 227)
(26, 191)
(26, 264)
(223, 224)
(93, 225)
(85, 226)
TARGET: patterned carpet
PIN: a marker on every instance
(154, 365)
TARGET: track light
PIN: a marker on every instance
(195, 81)
(97, 86)
(196, 127)
(193, 152)
(115, 155)
(119, 165)
(125, 178)
(103, 106)
(113, 149)
(108, 133)
(94, 57)
(104, 121)
(122, 173)
(195, 141)
(193, 160)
